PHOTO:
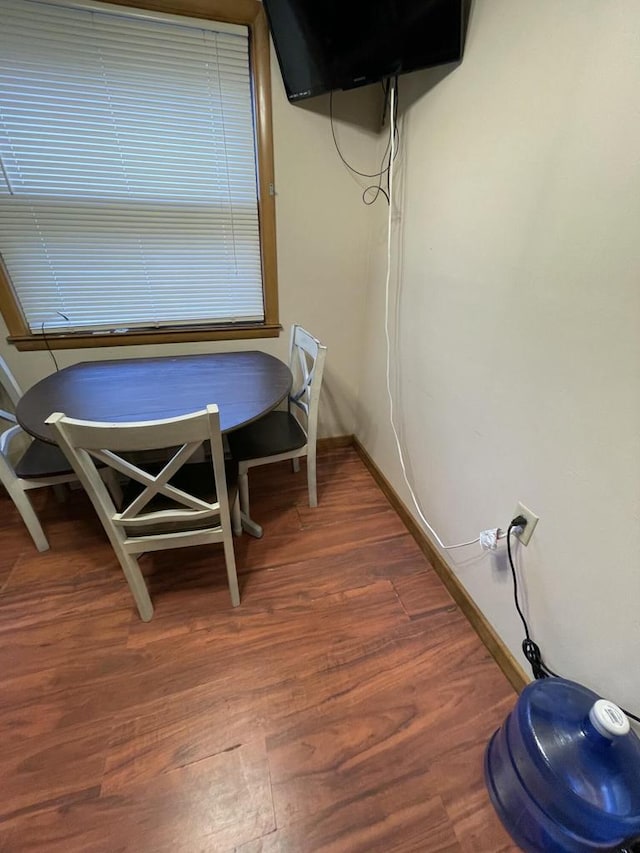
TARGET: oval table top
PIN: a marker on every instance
(244, 385)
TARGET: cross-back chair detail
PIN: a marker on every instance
(156, 513)
(291, 434)
(306, 361)
(11, 390)
(303, 352)
(27, 464)
(157, 485)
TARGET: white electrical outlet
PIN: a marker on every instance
(532, 520)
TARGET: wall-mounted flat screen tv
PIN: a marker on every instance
(324, 45)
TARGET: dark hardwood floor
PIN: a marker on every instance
(344, 706)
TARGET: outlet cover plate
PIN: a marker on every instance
(532, 520)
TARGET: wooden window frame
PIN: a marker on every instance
(249, 13)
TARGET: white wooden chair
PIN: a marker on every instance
(286, 434)
(21, 470)
(157, 513)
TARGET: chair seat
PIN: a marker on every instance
(276, 432)
(196, 478)
(42, 460)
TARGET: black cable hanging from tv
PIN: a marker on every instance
(385, 164)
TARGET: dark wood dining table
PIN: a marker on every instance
(244, 385)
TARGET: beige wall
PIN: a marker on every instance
(520, 321)
(322, 234)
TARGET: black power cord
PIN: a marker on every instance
(530, 648)
(46, 339)
(385, 164)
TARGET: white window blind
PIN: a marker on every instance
(128, 191)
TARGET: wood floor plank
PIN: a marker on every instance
(386, 737)
(60, 765)
(172, 732)
(290, 586)
(464, 794)
(407, 660)
(14, 537)
(233, 651)
(44, 643)
(319, 540)
(339, 503)
(69, 562)
(62, 598)
(343, 707)
(397, 819)
(475, 824)
(212, 805)
(6, 567)
(422, 593)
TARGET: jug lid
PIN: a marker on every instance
(609, 720)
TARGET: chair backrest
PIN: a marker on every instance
(306, 360)
(10, 392)
(88, 442)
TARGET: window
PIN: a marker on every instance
(136, 174)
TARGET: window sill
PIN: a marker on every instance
(81, 340)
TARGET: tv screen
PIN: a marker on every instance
(339, 44)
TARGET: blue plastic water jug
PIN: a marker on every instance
(563, 772)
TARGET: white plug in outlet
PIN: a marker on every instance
(530, 526)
